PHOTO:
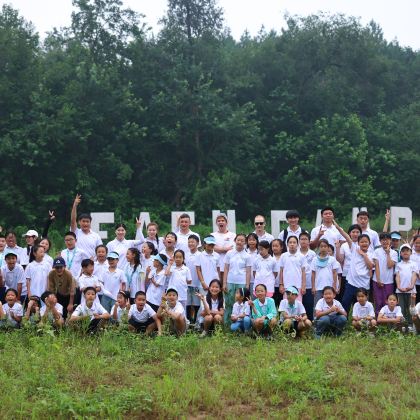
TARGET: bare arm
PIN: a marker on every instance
(73, 218)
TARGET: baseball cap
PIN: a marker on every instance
(405, 246)
(59, 262)
(292, 290)
(30, 232)
(113, 255)
(210, 240)
(395, 235)
(11, 253)
(172, 289)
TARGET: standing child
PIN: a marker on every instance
(264, 268)
(170, 245)
(193, 302)
(308, 255)
(179, 277)
(101, 263)
(415, 256)
(212, 307)
(134, 273)
(252, 249)
(391, 315)
(147, 252)
(11, 312)
(121, 307)
(88, 279)
(363, 312)
(207, 263)
(73, 256)
(142, 317)
(263, 311)
(37, 273)
(172, 309)
(277, 249)
(156, 279)
(241, 313)
(113, 281)
(46, 244)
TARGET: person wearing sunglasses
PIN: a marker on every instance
(259, 223)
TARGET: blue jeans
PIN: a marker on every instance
(334, 323)
(107, 303)
(243, 324)
(349, 296)
(308, 303)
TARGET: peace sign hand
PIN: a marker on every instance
(51, 214)
(139, 222)
(77, 200)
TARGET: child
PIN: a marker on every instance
(292, 269)
(308, 255)
(11, 312)
(73, 256)
(264, 268)
(179, 277)
(91, 310)
(363, 312)
(212, 307)
(142, 317)
(101, 263)
(416, 318)
(293, 228)
(32, 313)
(134, 273)
(113, 281)
(37, 273)
(241, 313)
(252, 249)
(173, 309)
(147, 252)
(207, 263)
(406, 276)
(121, 307)
(391, 315)
(193, 302)
(324, 271)
(170, 245)
(2, 248)
(277, 250)
(415, 256)
(293, 313)
(88, 279)
(263, 311)
(13, 275)
(46, 244)
(51, 311)
(330, 314)
(157, 279)
(385, 260)
(331, 253)
(237, 273)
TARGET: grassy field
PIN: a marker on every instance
(118, 374)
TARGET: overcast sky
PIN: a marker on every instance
(398, 19)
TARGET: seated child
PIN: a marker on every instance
(241, 312)
(391, 314)
(329, 314)
(52, 311)
(32, 313)
(122, 306)
(11, 312)
(293, 313)
(91, 310)
(415, 315)
(173, 309)
(363, 312)
(263, 310)
(142, 317)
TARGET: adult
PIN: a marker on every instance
(326, 229)
(11, 246)
(30, 237)
(87, 239)
(225, 240)
(184, 232)
(363, 222)
(259, 223)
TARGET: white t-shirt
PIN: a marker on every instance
(387, 313)
(253, 256)
(265, 237)
(308, 257)
(277, 270)
(154, 293)
(208, 263)
(331, 234)
(182, 240)
(386, 274)
(21, 253)
(290, 233)
(242, 308)
(364, 311)
(264, 272)
(37, 275)
(324, 275)
(296, 310)
(88, 281)
(322, 305)
(73, 258)
(190, 263)
(418, 309)
(292, 265)
(374, 239)
(134, 280)
(416, 258)
(177, 309)
(141, 315)
(224, 239)
(112, 282)
(87, 242)
(178, 280)
(49, 260)
(406, 270)
(100, 269)
(121, 248)
(83, 310)
(238, 263)
(14, 277)
(17, 309)
(57, 306)
(345, 250)
(213, 307)
(359, 273)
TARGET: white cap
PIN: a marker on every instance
(31, 232)
(405, 246)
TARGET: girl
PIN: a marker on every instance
(147, 251)
(171, 308)
(391, 315)
(46, 244)
(252, 249)
(134, 273)
(122, 306)
(237, 273)
(212, 307)
(331, 253)
(156, 279)
(113, 281)
(32, 313)
(264, 268)
(170, 245)
(241, 313)
(308, 255)
(193, 302)
(324, 271)
(263, 310)
(179, 277)
(153, 236)
(277, 247)
(363, 312)
(11, 312)
(37, 273)
(415, 256)
(101, 263)
(292, 269)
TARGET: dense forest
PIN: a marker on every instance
(323, 111)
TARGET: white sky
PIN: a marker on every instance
(398, 19)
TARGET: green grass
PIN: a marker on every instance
(118, 374)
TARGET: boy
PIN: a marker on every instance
(208, 263)
(37, 273)
(141, 317)
(263, 235)
(171, 308)
(73, 255)
(185, 233)
(193, 301)
(293, 228)
(13, 276)
(2, 247)
(88, 279)
(363, 222)
(52, 311)
(395, 243)
(293, 313)
(11, 312)
(113, 280)
(12, 246)
(62, 284)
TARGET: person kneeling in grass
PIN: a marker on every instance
(263, 310)
(293, 313)
(90, 310)
(11, 312)
(330, 314)
(122, 306)
(142, 317)
(52, 311)
(391, 314)
(174, 310)
(241, 313)
(363, 312)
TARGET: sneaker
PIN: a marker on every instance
(203, 334)
(411, 329)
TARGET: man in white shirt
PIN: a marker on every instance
(11, 246)
(293, 228)
(326, 230)
(225, 240)
(363, 222)
(87, 239)
(184, 233)
(259, 223)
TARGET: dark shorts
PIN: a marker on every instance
(153, 306)
(140, 326)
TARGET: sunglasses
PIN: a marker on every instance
(259, 223)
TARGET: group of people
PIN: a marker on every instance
(300, 281)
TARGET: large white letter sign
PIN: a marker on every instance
(277, 216)
(144, 217)
(401, 219)
(318, 220)
(176, 214)
(231, 215)
(97, 219)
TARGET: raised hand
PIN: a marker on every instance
(51, 214)
(77, 200)
(388, 215)
(139, 222)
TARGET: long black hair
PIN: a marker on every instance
(219, 296)
(136, 254)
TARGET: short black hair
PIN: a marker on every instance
(195, 237)
(264, 244)
(262, 285)
(139, 293)
(291, 237)
(384, 235)
(118, 225)
(45, 295)
(292, 213)
(87, 262)
(11, 290)
(328, 288)
(363, 235)
(362, 290)
(363, 213)
(89, 288)
(70, 233)
(184, 216)
(304, 233)
(84, 216)
(327, 208)
(353, 227)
